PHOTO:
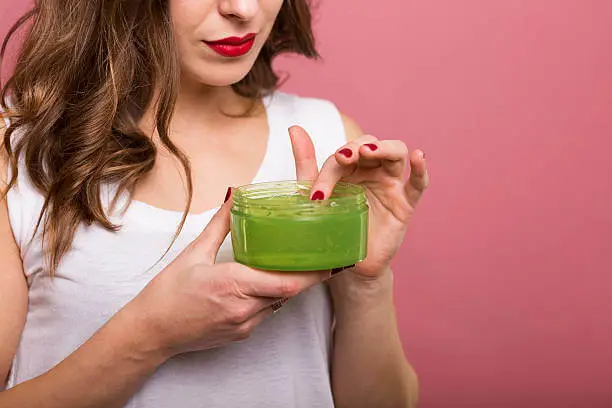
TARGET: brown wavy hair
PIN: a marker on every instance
(84, 76)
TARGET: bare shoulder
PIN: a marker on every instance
(351, 128)
(3, 157)
(13, 284)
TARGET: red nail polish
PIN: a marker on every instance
(318, 195)
(348, 153)
(228, 194)
(371, 146)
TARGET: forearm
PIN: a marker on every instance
(369, 368)
(103, 373)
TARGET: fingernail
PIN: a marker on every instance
(348, 153)
(318, 195)
(336, 271)
(228, 194)
(371, 146)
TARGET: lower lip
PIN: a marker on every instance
(231, 50)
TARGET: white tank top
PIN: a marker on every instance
(286, 361)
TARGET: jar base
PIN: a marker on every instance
(285, 265)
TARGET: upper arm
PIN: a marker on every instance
(351, 128)
(13, 285)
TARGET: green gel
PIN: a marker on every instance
(275, 226)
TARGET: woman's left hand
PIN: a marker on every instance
(379, 166)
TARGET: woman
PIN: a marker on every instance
(127, 122)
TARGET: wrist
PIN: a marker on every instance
(138, 338)
(353, 291)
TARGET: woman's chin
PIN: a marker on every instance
(224, 75)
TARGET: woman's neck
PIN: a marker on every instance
(210, 102)
(203, 105)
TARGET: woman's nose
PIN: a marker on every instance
(239, 9)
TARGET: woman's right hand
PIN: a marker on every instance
(195, 304)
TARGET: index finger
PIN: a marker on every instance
(270, 284)
(304, 153)
(338, 166)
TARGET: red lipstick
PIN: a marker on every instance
(232, 47)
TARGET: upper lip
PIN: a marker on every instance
(233, 40)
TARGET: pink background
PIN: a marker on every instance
(504, 284)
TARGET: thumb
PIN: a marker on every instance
(210, 240)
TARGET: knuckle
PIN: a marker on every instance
(289, 288)
(240, 315)
(244, 331)
(422, 184)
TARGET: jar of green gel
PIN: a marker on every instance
(275, 226)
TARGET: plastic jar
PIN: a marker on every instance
(275, 226)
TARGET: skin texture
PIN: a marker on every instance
(368, 348)
(195, 304)
(196, 21)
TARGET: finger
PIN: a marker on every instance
(349, 153)
(253, 305)
(392, 154)
(273, 304)
(331, 173)
(340, 165)
(210, 240)
(304, 153)
(419, 177)
(262, 315)
(254, 282)
(245, 329)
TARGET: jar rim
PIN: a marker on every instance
(261, 195)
